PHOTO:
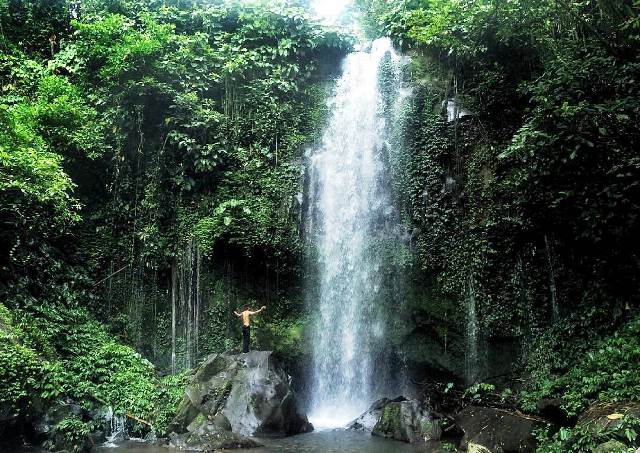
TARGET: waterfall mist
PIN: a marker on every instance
(352, 227)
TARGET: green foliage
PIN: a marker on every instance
(112, 373)
(209, 107)
(528, 204)
(27, 382)
(84, 363)
(33, 25)
(170, 122)
(71, 434)
(126, 136)
(447, 446)
(285, 337)
(33, 185)
(168, 398)
(47, 130)
(586, 437)
(22, 377)
(476, 391)
(608, 372)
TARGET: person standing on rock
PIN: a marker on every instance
(246, 324)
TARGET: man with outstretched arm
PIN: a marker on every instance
(246, 324)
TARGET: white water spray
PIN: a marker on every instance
(117, 429)
(350, 216)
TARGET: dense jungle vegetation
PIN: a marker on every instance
(527, 205)
(152, 160)
(128, 134)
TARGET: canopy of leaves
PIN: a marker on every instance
(126, 132)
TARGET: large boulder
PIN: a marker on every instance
(233, 396)
(608, 415)
(497, 430)
(399, 419)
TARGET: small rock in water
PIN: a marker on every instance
(408, 421)
(368, 420)
(399, 419)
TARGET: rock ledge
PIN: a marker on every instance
(234, 396)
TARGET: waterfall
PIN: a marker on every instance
(552, 281)
(174, 320)
(185, 306)
(350, 221)
(476, 360)
(471, 352)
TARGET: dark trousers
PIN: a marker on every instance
(246, 332)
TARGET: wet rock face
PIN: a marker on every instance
(497, 430)
(399, 419)
(231, 397)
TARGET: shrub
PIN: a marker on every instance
(168, 397)
(586, 438)
(24, 377)
(608, 372)
(71, 434)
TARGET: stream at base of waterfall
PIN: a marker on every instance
(326, 441)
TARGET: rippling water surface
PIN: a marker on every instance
(334, 441)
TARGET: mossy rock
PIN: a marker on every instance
(390, 420)
(612, 446)
(210, 437)
(213, 365)
(498, 429)
(407, 421)
(600, 415)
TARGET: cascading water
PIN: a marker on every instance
(116, 428)
(472, 357)
(185, 306)
(476, 359)
(552, 280)
(351, 218)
